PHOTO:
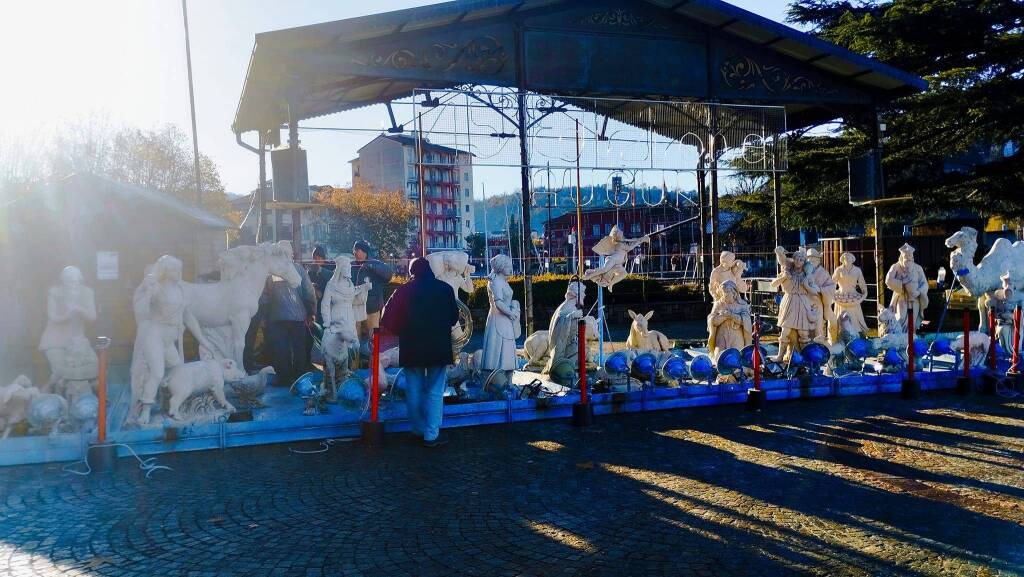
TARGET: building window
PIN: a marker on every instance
(636, 228)
(607, 228)
(467, 209)
(467, 224)
(597, 230)
(465, 176)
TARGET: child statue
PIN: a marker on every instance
(615, 247)
(503, 328)
(729, 269)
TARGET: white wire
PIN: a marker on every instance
(147, 465)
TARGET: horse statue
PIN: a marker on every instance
(983, 278)
(224, 309)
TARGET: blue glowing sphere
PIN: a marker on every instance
(920, 347)
(701, 368)
(674, 368)
(816, 354)
(941, 347)
(747, 356)
(796, 359)
(308, 385)
(858, 348)
(892, 357)
(729, 361)
(617, 363)
(352, 392)
(645, 364)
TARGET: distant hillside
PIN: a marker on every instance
(499, 206)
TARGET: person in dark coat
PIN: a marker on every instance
(422, 312)
(320, 272)
(379, 274)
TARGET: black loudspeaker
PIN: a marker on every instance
(291, 181)
(865, 177)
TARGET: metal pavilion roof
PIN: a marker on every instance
(543, 45)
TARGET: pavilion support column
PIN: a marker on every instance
(876, 140)
(525, 242)
(702, 208)
(777, 206)
(716, 241)
(261, 194)
(293, 147)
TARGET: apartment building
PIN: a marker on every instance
(388, 162)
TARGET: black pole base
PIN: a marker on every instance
(101, 457)
(964, 385)
(757, 399)
(373, 433)
(582, 415)
(989, 380)
(1016, 379)
(910, 389)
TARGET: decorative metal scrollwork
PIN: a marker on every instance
(482, 55)
(744, 73)
(621, 19)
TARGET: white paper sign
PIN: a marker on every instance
(106, 265)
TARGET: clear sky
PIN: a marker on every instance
(125, 60)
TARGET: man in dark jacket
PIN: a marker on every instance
(289, 314)
(421, 312)
(364, 267)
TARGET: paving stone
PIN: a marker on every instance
(859, 486)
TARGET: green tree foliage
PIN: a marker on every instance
(476, 244)
(971, 52)
(381, 217)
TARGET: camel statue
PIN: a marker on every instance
(983, 278)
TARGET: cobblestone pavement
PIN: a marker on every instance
(857, 486)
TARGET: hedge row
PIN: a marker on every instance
(549, 291)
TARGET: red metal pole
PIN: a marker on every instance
(101, 392)
(757, 353)
(582, 343)
(1016, 340)
(992, 339)
(375, 378)
(910, 343)
(967, 343)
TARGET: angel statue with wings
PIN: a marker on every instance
(615, 247)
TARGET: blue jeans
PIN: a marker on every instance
(424, 399)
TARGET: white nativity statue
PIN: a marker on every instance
(338, 312)
(615, 248)
(909, 286)
(983, 278)
(224, 309)
(69, 306)
(729, 324)
(503, 328)
(563, 332)
(162, 314)
(852, 291)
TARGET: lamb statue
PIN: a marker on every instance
(14, 402)
(535, 348)
(188, 379)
